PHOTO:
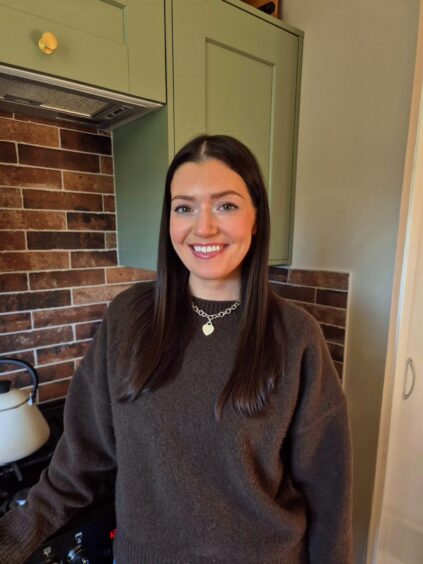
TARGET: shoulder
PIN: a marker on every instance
(309, 364)
(130, 301)
(299, 324)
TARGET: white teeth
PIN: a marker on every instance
(207, 248)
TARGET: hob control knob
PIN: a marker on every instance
(78, 555)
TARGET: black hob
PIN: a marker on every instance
(88, 537)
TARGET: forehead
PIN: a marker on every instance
(208, 176)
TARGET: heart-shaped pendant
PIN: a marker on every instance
(208, 328)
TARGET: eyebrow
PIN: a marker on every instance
(214, 196)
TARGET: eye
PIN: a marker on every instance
(182, 209)
(228, 206)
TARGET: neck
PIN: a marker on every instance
(226, 290)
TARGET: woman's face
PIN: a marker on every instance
(212, 221)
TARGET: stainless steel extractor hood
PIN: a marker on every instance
(45, 96)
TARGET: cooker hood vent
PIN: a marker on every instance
(54, 98)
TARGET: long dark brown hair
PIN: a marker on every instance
(158, 347)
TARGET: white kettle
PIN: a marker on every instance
(23, 429)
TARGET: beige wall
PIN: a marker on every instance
(356, 88)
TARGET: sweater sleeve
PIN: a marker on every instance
(321, 455)
(83, 457)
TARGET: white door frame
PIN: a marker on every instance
(412, 194)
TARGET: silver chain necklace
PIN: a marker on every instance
(208, 327)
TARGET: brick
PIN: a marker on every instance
(319, 278)
(12, 241)
(98, 293)
(14, 130)
(326, 314)
(33, 339)
(10, 198)
(277, 274)
(336, 352)
(65, 278)
(13, 282)
(62, 316)
(6, 114)
(28, 177)
(51, 200)
(27, 356)
(34, 300)
(111, 242)
(106, 165)
(333, 334)
(7, 152)
(332, 298)
(41, 121)
(57, 158)
(56, 371)
(15, 322)
(88, 182)
(48, 373)
(124, 274)
(86, 330)
(91, 221)
(299, 293)
(109, 203)
(56, 353)
(85, 142)
(87, 259)
(27, 219)
(64, 240)
(53, 390)
(11, 261)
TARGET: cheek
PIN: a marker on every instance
(176, 231)
(244, 229)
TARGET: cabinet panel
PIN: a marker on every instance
(241, 80)
(119, 45)
(79, 56)
(145, 27)
(228, 73)
(93, 16)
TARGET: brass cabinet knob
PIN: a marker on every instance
(48, 43)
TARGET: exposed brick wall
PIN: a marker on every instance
(58, 259)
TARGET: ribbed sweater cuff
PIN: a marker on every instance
(19, 537)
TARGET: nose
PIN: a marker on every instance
(205, 224)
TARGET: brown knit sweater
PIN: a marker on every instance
(190, 489)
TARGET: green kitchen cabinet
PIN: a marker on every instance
(117, 45)
(232, 70)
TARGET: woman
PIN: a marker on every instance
(216, 400)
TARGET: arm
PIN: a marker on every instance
(84, 455)
(321, 456)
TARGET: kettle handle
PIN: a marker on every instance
(30, 369)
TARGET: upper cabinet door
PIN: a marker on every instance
(145, 32)
(100, 43)
(237, 73)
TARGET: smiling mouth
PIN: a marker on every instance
(205, 249)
